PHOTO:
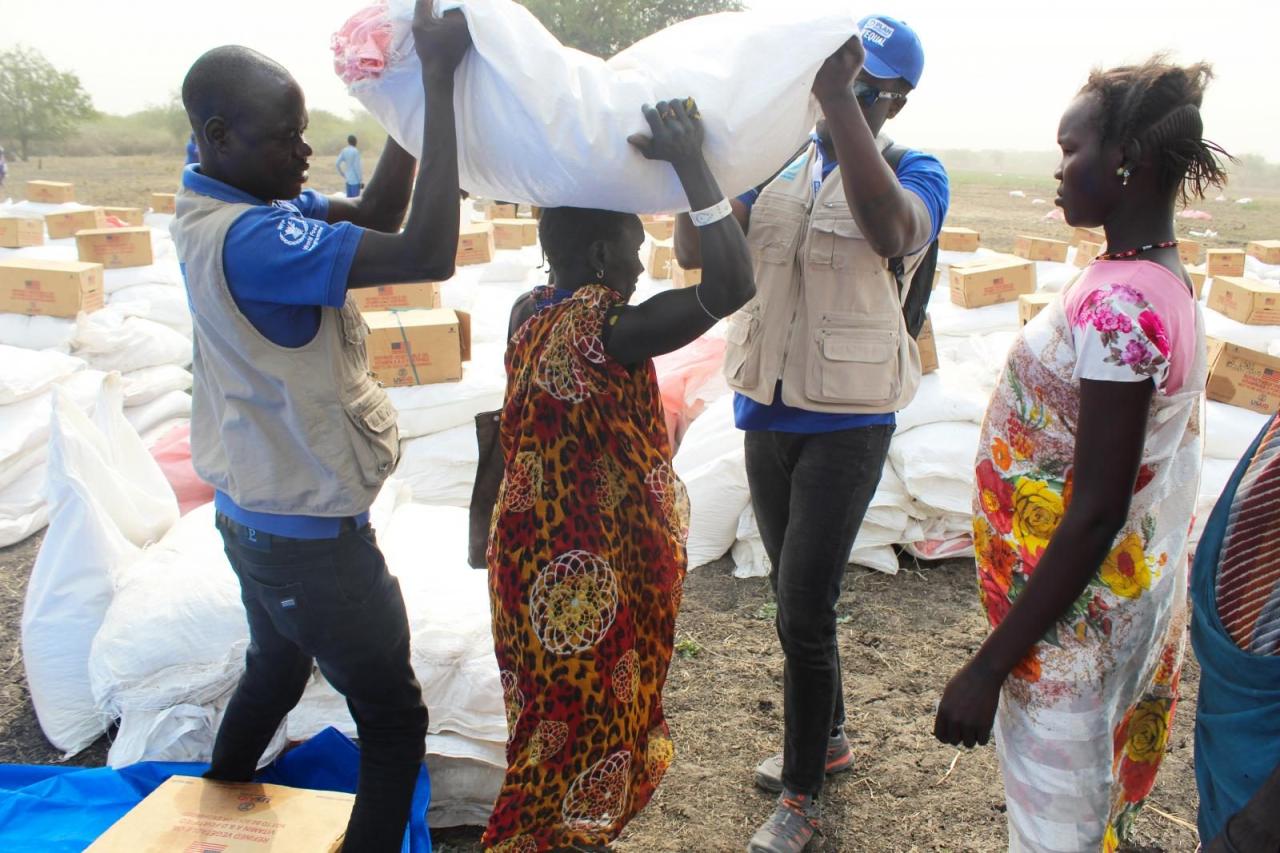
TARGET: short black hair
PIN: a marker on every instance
(215, 83)
(351, 140)
(566, 232)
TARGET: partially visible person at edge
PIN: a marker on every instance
(287, 424)
(1086, 482)
(193, 151)
(350, 168)
(1235, 629)
(4, 168)
(587, 549)
(821, 360)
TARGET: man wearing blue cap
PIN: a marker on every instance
(821, 360)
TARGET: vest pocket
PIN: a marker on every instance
(377, 438)
(354, 329)
(853, 366)
(742, 355)
(830, 242)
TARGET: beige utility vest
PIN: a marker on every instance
(827, 318)
(285, 430)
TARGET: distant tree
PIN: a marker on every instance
(37, 101)
(604, 27)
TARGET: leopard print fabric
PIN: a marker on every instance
(586, 564)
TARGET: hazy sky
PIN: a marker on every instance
(998, 72)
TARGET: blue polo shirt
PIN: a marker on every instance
(283, 263)
(918, 172)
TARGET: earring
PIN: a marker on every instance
(600, 275)
(1123, 172)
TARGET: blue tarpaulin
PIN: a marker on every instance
(63, 809)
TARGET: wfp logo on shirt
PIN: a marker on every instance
(296, 231)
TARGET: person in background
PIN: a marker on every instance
(350, 169)
(1235, 629)
(587, 548)
(193, 150)
(821, 361)
(4, 168)
(1087, 475)
(288, 424)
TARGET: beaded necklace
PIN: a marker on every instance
(1133, 253)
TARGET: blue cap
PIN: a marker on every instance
(893, 49)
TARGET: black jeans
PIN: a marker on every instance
(810, 493)
(332, 601)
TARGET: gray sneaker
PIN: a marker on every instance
(790, 829)
(839, 760)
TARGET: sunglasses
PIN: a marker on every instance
(867, 94)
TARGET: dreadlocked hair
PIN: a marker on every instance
(1153, 111)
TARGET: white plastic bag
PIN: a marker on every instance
(540, 123)
(108, 340)
(25, 373)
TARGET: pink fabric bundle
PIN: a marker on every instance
(361, 46)
(683, 373)
(173, 453)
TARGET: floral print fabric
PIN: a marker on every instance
(586, 566)
(1084, 719)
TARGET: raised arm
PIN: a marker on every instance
(672, 319)
(382, 205)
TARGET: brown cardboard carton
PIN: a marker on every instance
(959, 240)
(50, 288)
(681, 277)
(1267, 251)
(134, 216)
(1243, 377)
(514, 233)
(1190, 252)
(115, 248)
(1197, 282)
(1228, 262)
(1088, 235)
(418, 347)
(991, 281)
(1041, 249)
(18, 232)
(1031, 304)
(1086, 252)
(1246, 300)
(64, 225)
(928, 346)
(475, 244)
(494, 212)
(163, 202)
(397, 297)
(50, 192)
(659, 227)
(662, 256)
(190, 815)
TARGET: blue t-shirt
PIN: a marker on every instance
(283, 263)
(918, 172)
(349, 166)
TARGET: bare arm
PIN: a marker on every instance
(383, 204)
(689, 241)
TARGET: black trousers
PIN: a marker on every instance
(810, 494)
(332, 601)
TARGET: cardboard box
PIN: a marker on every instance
(163, 202)
(397, 297)
(1190, 252)
(50, 192)
(494, 212)
(928, 346)
(1246, 300)
(418, 347)
(515, 233)
(1031, 304)
(18, 232)
(50, 288)
(115, 248)
(1041, 249)
(1086, 252)
(681, 277)
(659, 227)
(959, 240)
(1197, 282)
(1229, 262)
(475, 244)
(662, 257)
(991, 281)
(134, 216)
(1267, 251)
(1088, 235)
(64, 225)
(1243, 377)
(190, 815)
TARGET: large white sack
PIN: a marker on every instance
(159, 303)
(24, 425)
(540, 123)
(952, 393)
(428, 409)
(108, 498)
(23, 509)
(25, 373)
(441, 468)
(54, 333)
(1224, 328)
(936, 463)
(169, 406)
(950, 319)
(1257, 269)
(1213, 479)
(1229, 430)
(463, 790)
(148, 383)
(109, 340)
(711, 462)
(164, 272)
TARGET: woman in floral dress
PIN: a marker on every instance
(1087, 478)
(587, 550)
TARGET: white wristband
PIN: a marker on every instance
(713, 214)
